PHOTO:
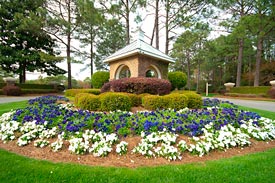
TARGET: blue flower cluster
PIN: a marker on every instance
(44, 110)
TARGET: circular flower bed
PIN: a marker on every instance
(219, 125)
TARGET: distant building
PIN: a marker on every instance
(138, 59)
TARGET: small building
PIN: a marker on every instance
(138, 59)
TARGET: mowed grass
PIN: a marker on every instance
(258, 167)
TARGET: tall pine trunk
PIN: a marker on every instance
(167, 28)
(127, 22)
(68, 49)
(240, 58)
(258, 61)
(157, 24)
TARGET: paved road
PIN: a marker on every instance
(263, 105)
(15, 99)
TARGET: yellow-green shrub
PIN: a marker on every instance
(73, 92)
(89, 102)
(135, 99)
(176, 101)
(194, 100)
(154, 102)
(77, 96)
(112, 101)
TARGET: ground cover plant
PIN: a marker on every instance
(218, 126)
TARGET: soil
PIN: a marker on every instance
(129, 160)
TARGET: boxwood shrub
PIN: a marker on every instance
(271, 92)
(12, 90)
(194, 100)
(138, 85)
(176, 101)
(250, 89)
(154, 102)
(99, 78)
(88, 101)
(178, 79)
(115, 101)
(74, 92)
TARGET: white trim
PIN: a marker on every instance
(158, 72)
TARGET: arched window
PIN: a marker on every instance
(123, 72)
(153, 72)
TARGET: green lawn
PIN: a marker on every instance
(258, 167)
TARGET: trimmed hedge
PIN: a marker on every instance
(176, 101)
(154, 102)
(34, 86)
(99, 78)
(1, 92)
(194, 100)
(12, 90)
(250, 89)
(88, 101)
(246, 95)
(115, 101)
(271, 92)
(138, 85)
(37, 91)
(2, 85)
(74, 92)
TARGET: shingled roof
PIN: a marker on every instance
(139, 47)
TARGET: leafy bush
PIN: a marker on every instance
(2, 85)
(36, 86)
(176, 101)
(74, 92)
(37, 91)
(177, 79)
(250, 89)
(99, 78)
(154, 102)
(271, 92)
(115, 101)
(135, 99)
(77, 97)
(11, 90)
(88, 102)
(138, 85)
(245, 95)
(194, 100)
(1, 92)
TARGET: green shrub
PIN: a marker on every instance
(194, 100)
(2, 85)
(176, 101)
(177, 79)
(74, 92)
(88, 102)
(154, 102)
(250, 89)
(37, 91)
(77, 96)
(99, 78)
(11, 90)
(135, 99)
(115, 101)
(1, 92)
(34, 86)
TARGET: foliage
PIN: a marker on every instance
(88, 102)
(25, 46)
(100, 78)
(177, 101)
(74, 92)
(138, 85)
(11, 90)
(115, 101)
(194, 100)
(177, 79)
(154, 102)
(271, 92)
(250, 89)
(136, 100)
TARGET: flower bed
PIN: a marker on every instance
(219, 125)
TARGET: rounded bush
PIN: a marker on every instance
(115, 101)
(176, 101)
(11, 90)
(99, 78)
(154, 102)
(89, 102)
(77, 96)
(178, 79)
(194, 100)
(138, 85)
(135, 99)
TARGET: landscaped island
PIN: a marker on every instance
(53, 121)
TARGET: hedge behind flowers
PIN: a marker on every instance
(194, 100)
(115, 101)
(74, 92)
(139, 85)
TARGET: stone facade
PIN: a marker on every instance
(138, 66)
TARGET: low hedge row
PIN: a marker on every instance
(111, 101)
(250, 90)
(74, 92)
(138, 85)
